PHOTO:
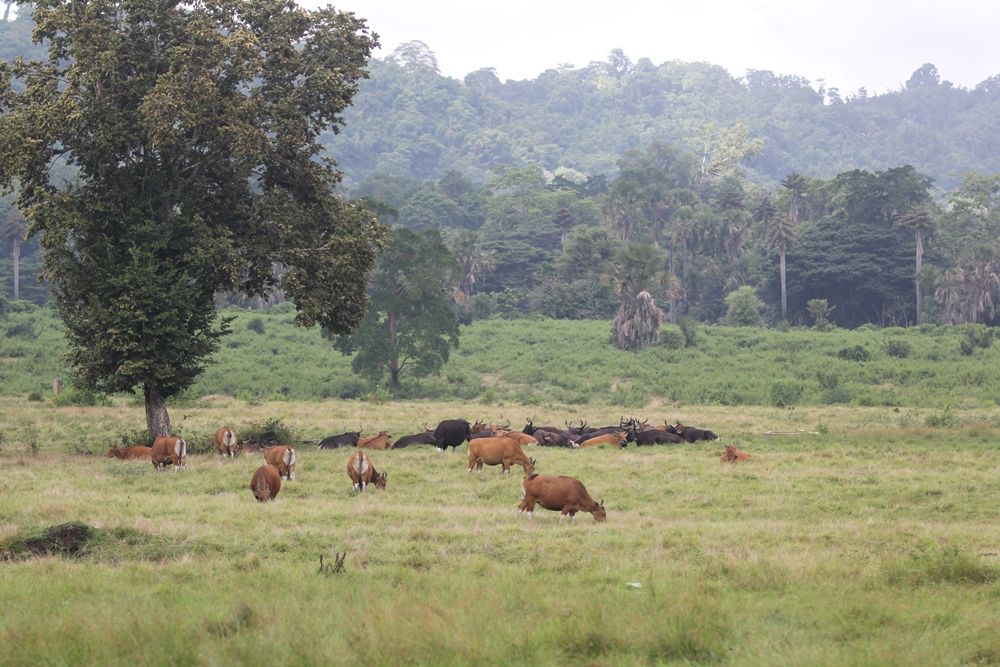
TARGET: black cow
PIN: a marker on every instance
(342, 440)
(657, 437)
(481, 434)
(452, 433)
(554, 438)
(425, 438)
(530, 429)
(690, 433)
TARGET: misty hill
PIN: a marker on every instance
(409, 120)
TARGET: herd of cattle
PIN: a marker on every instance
(489, 444)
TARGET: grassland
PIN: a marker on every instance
(874, 542)
(542, 362)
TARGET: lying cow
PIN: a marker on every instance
(566, 494)
(425, 438)
(616, 439)
(657, 436)
(520, 438)
(225, 442)
(349, 439)
(133, 453)
(169, 449)
(380, 441)
(691, 433)
(362, 472)
(498, 451)
(282, 457)
(265, 483)
(732, 455)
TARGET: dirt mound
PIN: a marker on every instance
(66, 539)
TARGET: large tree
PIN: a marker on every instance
(411, 322)
(191, 133)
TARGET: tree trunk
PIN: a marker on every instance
(393, 353)
(784, 290)
(16, 253)
(673, 283)
(920, 266)
(157, 419)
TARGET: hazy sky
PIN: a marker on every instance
(849, 43)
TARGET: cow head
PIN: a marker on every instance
(115, 452)
(600, 514)
(380, 479)
(261, 489)
(478, 426)
(529, 428)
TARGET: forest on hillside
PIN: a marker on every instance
(568, 194)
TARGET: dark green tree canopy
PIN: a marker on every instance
(189, 133)
(411, 322)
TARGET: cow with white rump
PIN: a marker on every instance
(281, 457)
(362, 472)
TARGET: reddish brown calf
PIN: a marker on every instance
(732, 455)
(265, 483)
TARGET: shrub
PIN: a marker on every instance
(73, 396)
(671, 337)
(271, 431)
(256, 325)
(34, 396)
(977, 336)
(898, 348)
(689, 327)
(743, 307)
(855, 353)
(25, 329)
(785, 393)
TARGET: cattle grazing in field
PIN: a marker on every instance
(362, 472)
(566, 494)
(133, 453)
(494, 451)
(225, 442)
(381, 441)
(349, 439)
(451, 433)
(732, 455)
(169, 449)
(265, 483)
(283, 458)
(657, 436)
(691, 434)
(425, 438)
(615, 439)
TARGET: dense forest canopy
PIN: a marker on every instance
(551, 191)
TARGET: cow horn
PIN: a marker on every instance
(602, 502)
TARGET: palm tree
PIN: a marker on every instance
(638, 318)
(779, 234)
(13, 228)
(782, 232)
(920, 221)
(970, 289)
(474, 260)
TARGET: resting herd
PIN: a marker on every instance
(489, 444)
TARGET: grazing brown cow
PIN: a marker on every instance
(133, 453)
(381, 441)
(265, 483)
(362, 472)
(616, 439)
(225, 442)
(169, 449)
(493, 451)
(566, 494)
(518, 437)
(281, 457)
(732, 455)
